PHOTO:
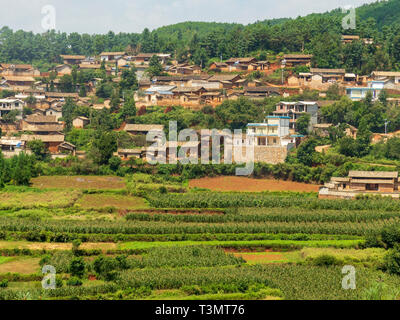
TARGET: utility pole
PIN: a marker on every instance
(283, 68)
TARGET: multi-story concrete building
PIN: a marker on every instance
(271, 140)
(294, 110)
(8, 105)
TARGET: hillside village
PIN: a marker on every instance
(201, 161)
(33, 108)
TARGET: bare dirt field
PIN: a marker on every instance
(266, 257)
(110, 200)
(251, 185)
(20, 265)
(79, 182)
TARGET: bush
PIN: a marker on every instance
(74, 282)
(391, 261)
(77, 267)
(325, 260)
(391, 236)
(4, 283)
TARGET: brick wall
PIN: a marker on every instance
(267, 154)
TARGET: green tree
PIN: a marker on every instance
(39, 149)
(306, 151)
(103, 147)
(21, 170)
(333, 92)
(11, 116)
(115, 163)
(128, 80)
(303, 123)
(155, 67)
(129, 108)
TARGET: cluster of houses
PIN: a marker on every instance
(376, 183)
(45, 128)
(43, 124)
(271, 139)
(187, 85)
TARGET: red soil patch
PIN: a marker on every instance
(260, 257)
(79, 182)
(251, 185)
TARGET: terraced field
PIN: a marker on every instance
(111, 244)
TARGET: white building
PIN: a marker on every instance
(294, 110)
(8, 105)
(274, 132)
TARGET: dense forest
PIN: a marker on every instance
(200, 42)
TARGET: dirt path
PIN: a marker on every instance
(251, 185)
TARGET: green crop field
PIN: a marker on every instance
(119, 244)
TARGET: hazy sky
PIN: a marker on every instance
(100, 16)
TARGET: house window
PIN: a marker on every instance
(262, 142)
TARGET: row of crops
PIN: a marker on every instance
(265, 200)
(270, 215)
(149, 227)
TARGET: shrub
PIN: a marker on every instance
(325, 260)
(391, 236)
(77, 267)
(74, 282)
(391, 261)
(4, 283)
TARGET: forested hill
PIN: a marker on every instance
(385, 13)
(200, 42)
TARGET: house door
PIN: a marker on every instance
(372, 187)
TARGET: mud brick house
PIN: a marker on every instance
(111, 56)
(349, 38)
(126, 154)
(227, 81)
(145, 57)
(17, 82)
(242, 64)
(212, 97)
(141, 130)
(44, 128)
(51, 141)
(80, 122)
(41, 124)
(156, 94)
(54, 111)
(293, 60)
(61, 95)
(362, 182)
(184, 68)
(19, 70)
(63, 69)
(219, 67)
(72, 59)
(89, 66)
(260, 92)
(326, 75)
(180, 80)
